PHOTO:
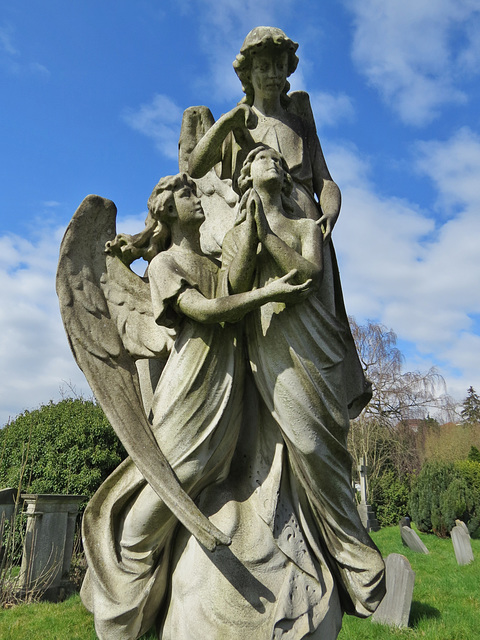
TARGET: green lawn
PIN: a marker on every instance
(446, 603)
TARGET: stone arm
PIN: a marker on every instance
(208, 151)
(233, 308)
(328, 193)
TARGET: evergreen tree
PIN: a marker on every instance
(471, 407)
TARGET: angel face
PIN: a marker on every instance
(267, 167)
(269, 73)
(188, 206)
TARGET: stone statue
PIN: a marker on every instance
(230, 378)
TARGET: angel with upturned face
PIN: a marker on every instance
(194, 418)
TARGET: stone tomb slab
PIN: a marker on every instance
(394, 609)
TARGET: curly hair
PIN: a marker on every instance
(245, 182)
(257, 41)
(156, 235)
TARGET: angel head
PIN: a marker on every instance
(173, 200)
(265, 168)
(266, 59)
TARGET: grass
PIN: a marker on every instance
(446, 597)
(446, 603)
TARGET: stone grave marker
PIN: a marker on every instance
(7, 503)
(365, 510)
(462, 544)
(411, 540)
(48, 546)
(394, 609)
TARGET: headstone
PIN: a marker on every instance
(394, 609)
(7, 504)
(48, 545)
(405, 522)
(7, 509)
(462, 544)
(411, 540)
(365, 511)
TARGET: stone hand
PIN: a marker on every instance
(283, 291)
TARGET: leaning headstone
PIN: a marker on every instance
(460, 523)
(411, 540)
(48, 545)
(462, 544)
(394, 609)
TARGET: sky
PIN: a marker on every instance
(91, 100)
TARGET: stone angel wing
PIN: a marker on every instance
(106, 312)
(219, 200)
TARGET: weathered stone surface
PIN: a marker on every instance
(48, 545)
(7, 503)
(462, 544)
(367, 516)
(364, 509)
(394, 609)
(234, 437)
(411, 540)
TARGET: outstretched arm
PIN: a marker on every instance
(207, 153)
(232, 308)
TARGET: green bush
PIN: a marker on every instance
(67, 447)
(444, 492)
(389, 497)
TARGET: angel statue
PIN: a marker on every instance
(230, 374)
(113, 317)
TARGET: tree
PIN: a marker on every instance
(471, 407)
(67, 447)
(389, 427)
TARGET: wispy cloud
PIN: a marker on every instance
(222, 27)
(10, 56)
(35, 360)
(403, 267)
(159, 120)
(331, 109)
(414, 51)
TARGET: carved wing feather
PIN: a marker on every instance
(109, 368)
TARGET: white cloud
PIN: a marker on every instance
(411, 272)
(222, 27)
(160, 120)
(331, 109)
(10, 56)
(35, 360)
(415, 52)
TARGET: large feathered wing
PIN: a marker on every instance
(90, 320)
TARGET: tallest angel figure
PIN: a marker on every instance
(268, 114)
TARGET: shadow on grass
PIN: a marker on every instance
(420, 611)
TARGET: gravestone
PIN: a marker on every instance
(462, 544)
(411, 540)
(48, 545)
(7, 509)
(365, 511)
(394, 609)
(7, 504)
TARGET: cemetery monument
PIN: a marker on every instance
(230, 374)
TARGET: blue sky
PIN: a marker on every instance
(91, 100)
